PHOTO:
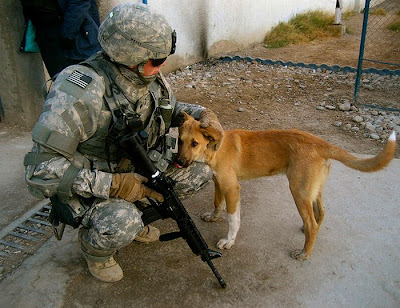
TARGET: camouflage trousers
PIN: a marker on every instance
(114, 223)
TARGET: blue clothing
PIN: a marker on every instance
(80, 25)
(66, 30)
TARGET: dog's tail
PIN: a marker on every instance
(375, 163)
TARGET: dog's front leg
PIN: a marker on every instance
(219, 201)
(231, 191)
(234, 225)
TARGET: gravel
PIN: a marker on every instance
(371, 120)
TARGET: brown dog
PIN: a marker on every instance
(240, 154)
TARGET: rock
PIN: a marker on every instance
(369, 127)
(330, 107)
(345, 106)
(347, 127)
(374, 136)
(241, 109)
(337, 123)
(358, 119)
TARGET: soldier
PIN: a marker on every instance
(74, 163)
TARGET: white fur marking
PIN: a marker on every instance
(234, 225)
(392, 136)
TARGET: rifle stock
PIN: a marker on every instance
(171, 207)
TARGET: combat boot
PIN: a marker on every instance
(101, 263)
(148, 234)
(107, 271)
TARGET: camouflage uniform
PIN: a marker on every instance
(68, 158)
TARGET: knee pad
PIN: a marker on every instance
(90, 252)
(191, 179)
(113, 225)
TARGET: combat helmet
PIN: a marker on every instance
(132, 34)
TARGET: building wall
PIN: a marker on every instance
(22, 77)
(206, 27)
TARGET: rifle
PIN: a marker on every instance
(171, 207)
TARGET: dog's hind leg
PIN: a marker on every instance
(318, 210)
(318, 207)
(311, 227)
(219, 202)
(305, 188)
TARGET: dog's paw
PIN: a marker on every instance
(225, 243)
(209, 216)
(299, 254)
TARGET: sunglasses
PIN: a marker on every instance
(157, 62)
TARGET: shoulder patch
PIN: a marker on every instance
(79, 79)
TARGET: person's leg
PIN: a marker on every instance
(191, 179)
(107, 227)
(53, 55)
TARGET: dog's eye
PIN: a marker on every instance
(194, 144)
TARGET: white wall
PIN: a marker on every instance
(208, 27)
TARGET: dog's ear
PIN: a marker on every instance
(214, 136)
(185, 116)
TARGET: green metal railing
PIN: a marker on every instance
(381, 27)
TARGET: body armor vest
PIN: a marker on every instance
(159, 144)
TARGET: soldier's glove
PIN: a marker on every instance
(209, 121)
(128, 186)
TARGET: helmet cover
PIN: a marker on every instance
(132, 34)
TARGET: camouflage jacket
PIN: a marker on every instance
(68, 155)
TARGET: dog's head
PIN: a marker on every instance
(196, 143)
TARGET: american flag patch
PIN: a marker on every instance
(79, 79)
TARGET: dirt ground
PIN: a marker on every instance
(255, 96)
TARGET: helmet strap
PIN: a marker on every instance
(127, 72)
